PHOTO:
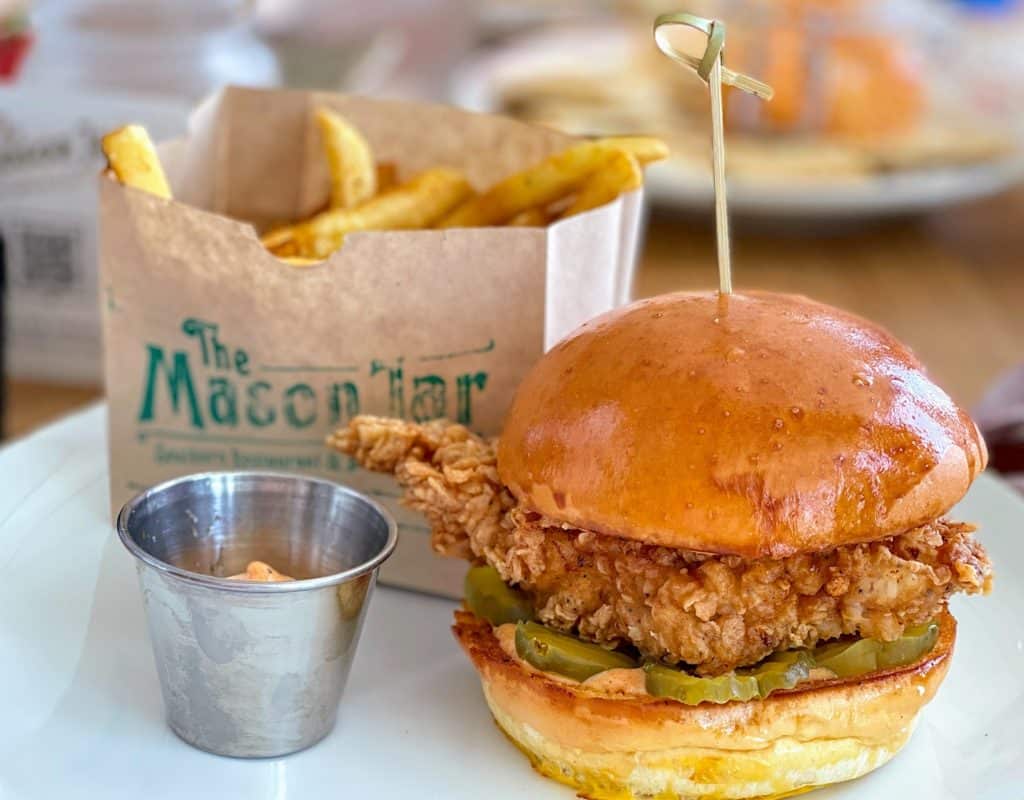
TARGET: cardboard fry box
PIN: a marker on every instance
(221, 357)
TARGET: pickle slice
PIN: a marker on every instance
(489, 597)
(779, 671)
(782, 670)
(858, 657)
(847, 659)
(662, 681)
(914, 643)
(551, 651)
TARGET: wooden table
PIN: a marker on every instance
(31, 404)
(951, 286)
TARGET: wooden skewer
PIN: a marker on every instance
(729, 77)
(718, 175)
(712, 70)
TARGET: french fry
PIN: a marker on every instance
(299, 261)
(551, 179)
(349, 159)
(535, 217)
(620, 174)
(646, 149)
(416, 204)
(280, 241)
(133, 160)
(387, 176)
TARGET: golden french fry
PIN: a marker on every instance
(620, 174)
(387, 176)
(416, 204)
(133, 160)
(530, 218)
(549, 180)
(299, 261)
(280, 241)
(646, 149)
(349, 159)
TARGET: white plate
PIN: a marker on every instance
(478, 83)
(82, 716)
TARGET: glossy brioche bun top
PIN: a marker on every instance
(752, 424)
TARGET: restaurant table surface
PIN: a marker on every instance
(951, 285)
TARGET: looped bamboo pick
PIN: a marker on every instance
(712, 70)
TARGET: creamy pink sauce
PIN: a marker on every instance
(262, 572)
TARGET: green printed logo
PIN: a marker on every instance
(214, 386)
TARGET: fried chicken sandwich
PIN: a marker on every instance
(711, 551)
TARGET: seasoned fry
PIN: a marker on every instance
(620, 174)
(387, 176)
(646, 149)
(551, 179)
(530, 218)
(364, 194)
(133, 160)
(280, 241)
(416, 204)
(349, 159)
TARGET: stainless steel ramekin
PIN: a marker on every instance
(254, 669)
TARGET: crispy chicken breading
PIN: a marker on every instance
(449, 475)
(713, 612)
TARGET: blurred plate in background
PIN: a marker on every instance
(603, 79)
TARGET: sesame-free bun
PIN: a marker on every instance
(637, 747)
(749, 424)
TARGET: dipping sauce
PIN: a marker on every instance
(260, 571)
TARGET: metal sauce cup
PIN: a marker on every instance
(254, 669)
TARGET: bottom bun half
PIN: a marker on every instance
(628, 747)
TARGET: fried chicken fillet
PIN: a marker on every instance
(712, 612)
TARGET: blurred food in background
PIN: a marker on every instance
(15, 38)
(865, 95)
(842, 69)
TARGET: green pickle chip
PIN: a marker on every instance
(489, 597)
(551, 651)
(779, 671)
(847, 659)
(860, 656)
(913, 644)
(782, 670)
(662, 681)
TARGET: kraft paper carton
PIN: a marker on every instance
(221, 357)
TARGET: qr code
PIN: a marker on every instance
(42, 257)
